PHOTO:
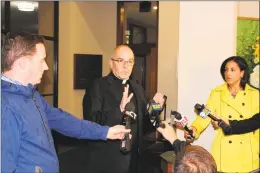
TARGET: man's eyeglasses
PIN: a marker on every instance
(122, 62)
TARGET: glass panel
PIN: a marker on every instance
(3, 15)
(46, 18)
(142, 21)
(138, 34)
(49, 99)
(46, 85)
(24, 16)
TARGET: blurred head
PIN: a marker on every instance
(195, 159)
(24, 55)
(122, 62)
(234, 70)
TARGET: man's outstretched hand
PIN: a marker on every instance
(117, 132)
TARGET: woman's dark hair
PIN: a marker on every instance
(241, 64)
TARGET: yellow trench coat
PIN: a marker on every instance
(233, 153)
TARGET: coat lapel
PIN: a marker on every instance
(236, 104)
(112, 89)
(118, 95)
(137, 92)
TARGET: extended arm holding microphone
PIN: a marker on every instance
(170, 135)
(181, 121)
(243, 126)
(205, 112)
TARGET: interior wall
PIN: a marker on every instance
(168, 46)
(248, 9)
(46, 27)
(206, 38)
(84, 28)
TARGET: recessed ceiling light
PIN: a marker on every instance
(25, 6)
(155, 7)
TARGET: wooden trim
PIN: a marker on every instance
(120, 22)
(248, 18)
(142, 49)
(157, 52)
(44, 95)
(56, 54)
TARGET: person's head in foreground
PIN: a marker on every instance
(23, 57)
(190, 158)
(194, 159)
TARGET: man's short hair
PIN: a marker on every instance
(17, 45)
(194, 159)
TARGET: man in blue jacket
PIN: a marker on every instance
(27, 143)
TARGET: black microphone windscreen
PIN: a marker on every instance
(130, 107)
(177, 115)
(198, 107)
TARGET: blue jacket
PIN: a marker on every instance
(27, 143)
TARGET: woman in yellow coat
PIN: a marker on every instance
(234, 100)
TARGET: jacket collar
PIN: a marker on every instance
(227, 99)
(111, 77)
(12, 88)
(224, 87)
(133, 85)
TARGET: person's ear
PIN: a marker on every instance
(110, 64)
(242, 74)
(22, 63)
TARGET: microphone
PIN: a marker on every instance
(128, 117)
(181, 121)
(204, 112)
(154, 110)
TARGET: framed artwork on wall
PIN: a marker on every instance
(87, 68)
(248, 45)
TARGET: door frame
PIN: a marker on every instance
(140, 47)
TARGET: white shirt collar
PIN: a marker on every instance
(7, 79)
